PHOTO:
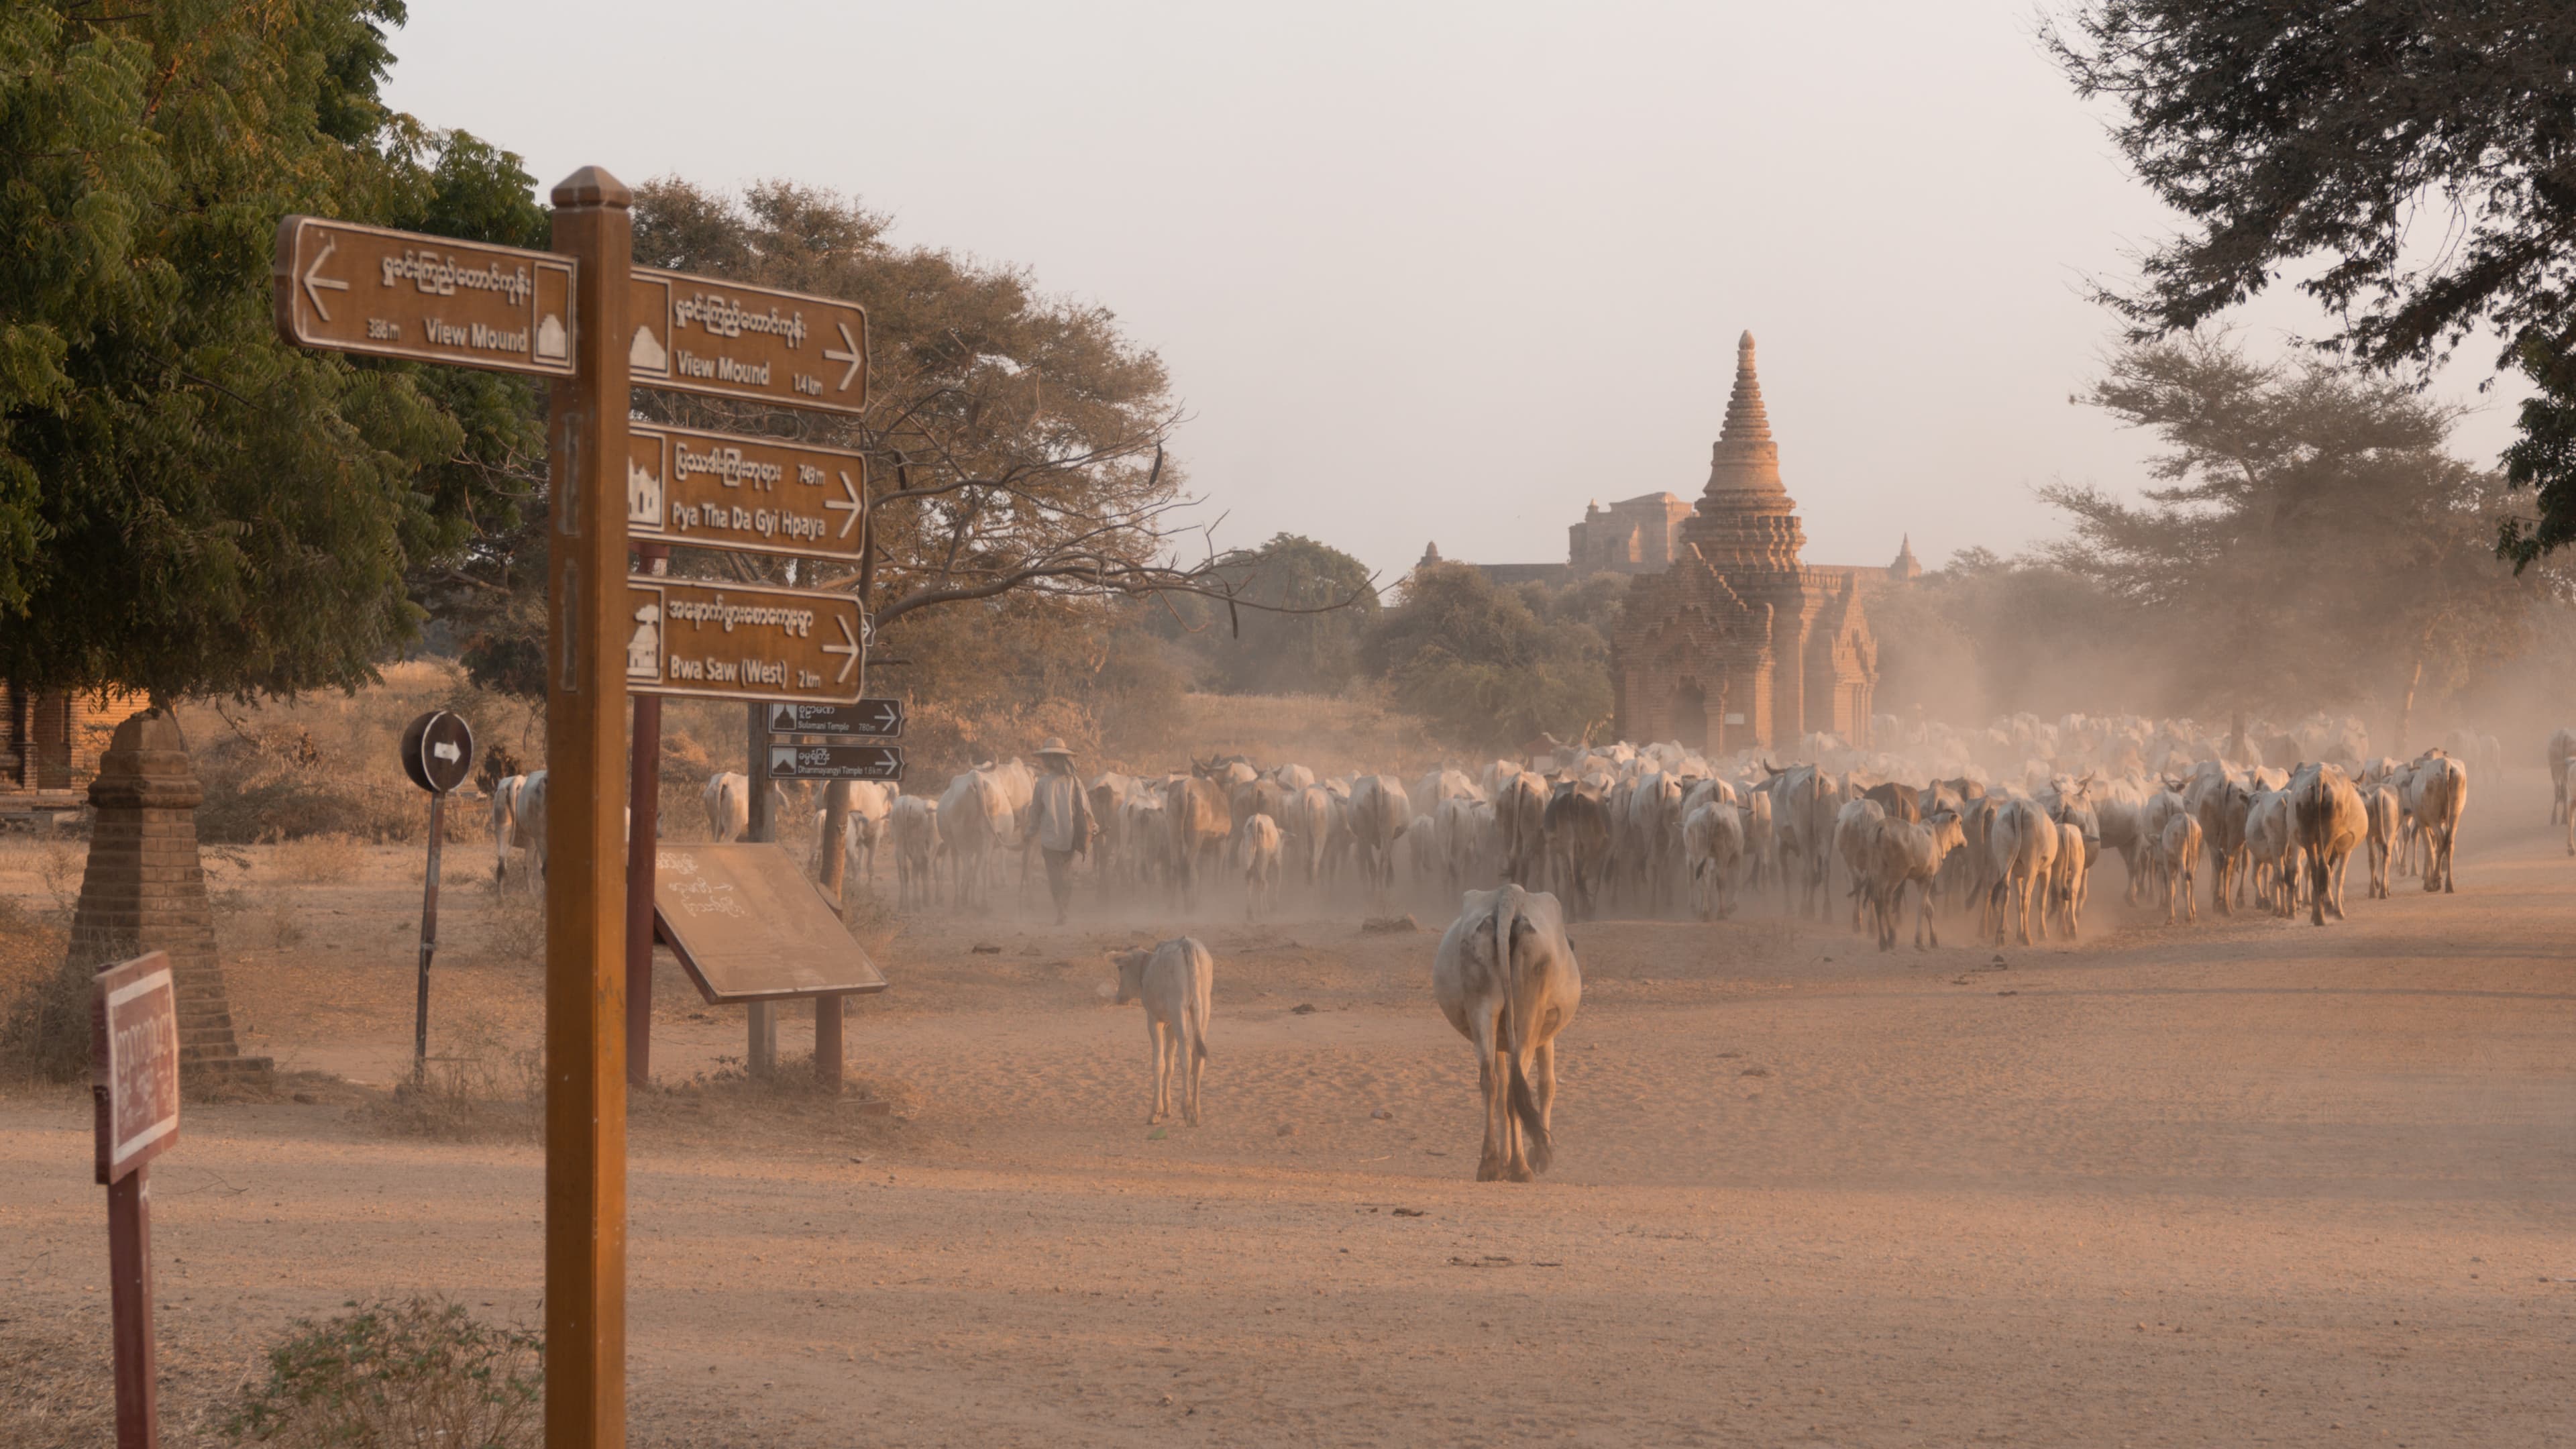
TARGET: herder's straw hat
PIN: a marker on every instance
(1054, 747)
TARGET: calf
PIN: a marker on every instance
(1910, 853)
(1177, 983)
(916, 845)
(1258, 841)
(1507, 979)
(2387, 816)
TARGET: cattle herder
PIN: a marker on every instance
(1060, 821)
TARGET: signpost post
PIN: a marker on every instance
(134, 1056)
(437, 753)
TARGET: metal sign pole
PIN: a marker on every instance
(591, 637)
(428, 937)
(760, 1054)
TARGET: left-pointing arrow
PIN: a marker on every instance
(847, 352)
(852, 508)
(315, 283)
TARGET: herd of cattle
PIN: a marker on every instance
(2014, 829)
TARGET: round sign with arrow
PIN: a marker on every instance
(438, 751)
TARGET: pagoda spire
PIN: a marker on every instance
(1746, 422)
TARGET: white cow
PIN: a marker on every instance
(975, 821)
(916, 846)
(2181, 850)
(2442, 795)
(1911, 853)
(1507, 980)
(1713, 844)
(867, 808)
(2022, 842)
(505, 822)
(1177, 983)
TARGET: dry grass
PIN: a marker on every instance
(872, 1113)
(58, 1388)
(475, 1089)
(332, 858)
(328, 764)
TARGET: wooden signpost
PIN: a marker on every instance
(134, 1057)
(582, 315)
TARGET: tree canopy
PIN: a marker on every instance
(186, 504)
(1296, 641)
(2425, 152)
(1486, 670)
(2314, 542)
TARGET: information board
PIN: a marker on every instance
(748, 926)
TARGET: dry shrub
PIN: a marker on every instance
(422, 1371)
(478, 1091)
(44, 1035)
(331, 858)
(60, 866)
(513, 924)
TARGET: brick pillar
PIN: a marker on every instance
(145, 890)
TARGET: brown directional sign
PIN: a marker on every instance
(744, 494)
(728, 641)
(134, 1035)
(353, 288)
(748, 926)
(835, 762)
(708, 335)
(876, 718)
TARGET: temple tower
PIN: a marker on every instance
(1746, 522)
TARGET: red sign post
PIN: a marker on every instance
(134, 1056)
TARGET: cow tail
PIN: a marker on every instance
(1523, 1103)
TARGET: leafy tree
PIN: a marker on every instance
(2315, 543)
(1485, 670)
(2287, 131)
(186, 504)
(1300, 643)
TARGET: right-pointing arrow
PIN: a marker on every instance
(848, 352)
(853, 508)
(316, 284)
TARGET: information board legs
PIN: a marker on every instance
(760, 1054)
(129, 1266)
(585, 1304)
(827, 1043)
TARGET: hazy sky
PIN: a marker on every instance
(1448, 271)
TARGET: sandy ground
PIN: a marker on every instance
(2246, 1183)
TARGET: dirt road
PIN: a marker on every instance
(2249, 1183)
